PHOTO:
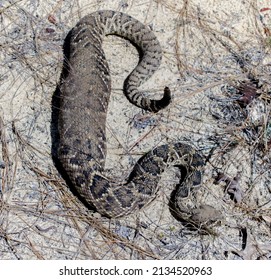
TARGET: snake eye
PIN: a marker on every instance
(186, 158)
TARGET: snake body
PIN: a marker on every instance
(84, 93)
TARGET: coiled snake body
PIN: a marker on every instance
(84, 95)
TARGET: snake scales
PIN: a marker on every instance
(84, 93)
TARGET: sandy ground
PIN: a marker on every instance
(210, 48)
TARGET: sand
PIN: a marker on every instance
(209, 48)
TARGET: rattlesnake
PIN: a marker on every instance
(84, 93)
